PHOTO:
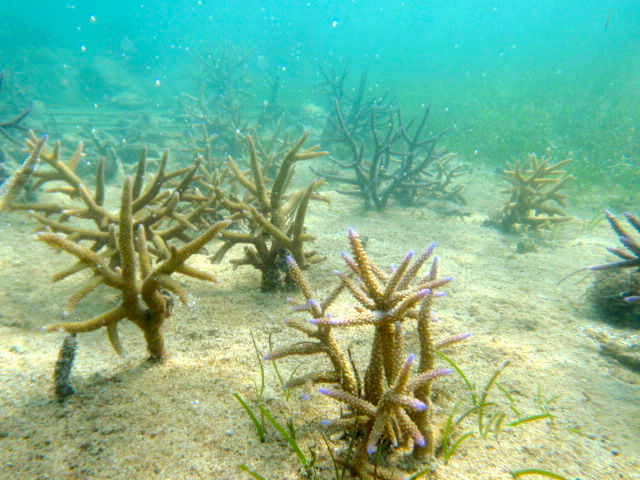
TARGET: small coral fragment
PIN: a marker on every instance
(535, 198)
(62, 372)
(389, 405)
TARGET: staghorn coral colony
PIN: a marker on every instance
(270, 223)
(134, 251)
(129, 251)
(392, 404)
(535, 198)
(137, 250)
(166, 217)
(383, 157)
(245, 196)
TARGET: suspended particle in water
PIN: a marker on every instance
(92, 19)
(334, 24)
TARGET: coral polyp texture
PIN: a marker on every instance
(391, 405)
(535, 197)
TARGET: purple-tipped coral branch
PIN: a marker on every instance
(631, 258)
(606, 292)
(391, 404)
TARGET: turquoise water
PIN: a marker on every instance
(505, 78)
(510, 77)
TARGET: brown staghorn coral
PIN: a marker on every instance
(16, 181)
(145, 289)
(322, 335)
(224, 77)
(130, 250)
(234, 96)
(391, 406)
(163, 205)
(535, 188)
(270, 223)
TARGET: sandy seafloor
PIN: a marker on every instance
(180, 421)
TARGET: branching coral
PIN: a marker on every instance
(11, 130)
(535, 199)
(232, 99)
(396, 164)
(323, 342)
(270, 223)
(145, 289)
(15, 124)
(389, 158)
(390, 418)
(163, 205)
(630, 258)
(12, 186)
(391, 406)
(351, 103)
(130, 250)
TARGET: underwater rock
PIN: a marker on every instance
(526, 245)
(624, 348)
(129, 100)
(448, 208)
(608, 293)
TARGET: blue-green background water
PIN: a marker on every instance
(507, 77)
(511, 77)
